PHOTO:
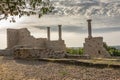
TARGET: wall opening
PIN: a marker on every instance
(99, 52)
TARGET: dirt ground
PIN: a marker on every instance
(11, 69)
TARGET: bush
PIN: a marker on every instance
(78, 51)
(112, 50)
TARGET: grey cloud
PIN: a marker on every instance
(74, 29)
(107, 29)
(81, 29)
(84, 7)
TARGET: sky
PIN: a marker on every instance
(74, 28)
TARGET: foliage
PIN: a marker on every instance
(24, 7)
(78, 51)
(113, 51)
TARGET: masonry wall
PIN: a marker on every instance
(26, 39)
(12, 38)
(94, 47)
(22, 37)
(5, 52)
(57, 45)
(41, 42)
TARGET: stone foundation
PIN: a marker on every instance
(93, 47)
(5, 53)
(30, 53)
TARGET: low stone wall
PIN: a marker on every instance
(37, 53)
(57, 45)
(5, 53)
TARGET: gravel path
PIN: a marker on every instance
(36, 70)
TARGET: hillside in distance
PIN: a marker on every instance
(117, 47)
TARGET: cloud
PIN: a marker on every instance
(74, 24)
(107, 29)
(66, 28)
(76, 29)
(87, 7)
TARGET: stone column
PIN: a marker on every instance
(60, 32)
(48, 33)
(89, 28)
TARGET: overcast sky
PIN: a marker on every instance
(74, 28)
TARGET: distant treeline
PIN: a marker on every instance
(112, 50)
(79, 51)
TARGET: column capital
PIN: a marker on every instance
(89, 20)
(59, 25)
(48, 27)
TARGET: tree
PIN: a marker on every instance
(112, 50)
(24, 7)
(77, 51)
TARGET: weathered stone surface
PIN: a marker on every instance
(93, 47)
(23, 45)
(22, 37)
(5, 52)
(57, 45)
(37, 53)
(16, 37)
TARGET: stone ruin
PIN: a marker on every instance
(23, 45)
(94, 46)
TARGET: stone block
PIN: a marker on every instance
(94, 47)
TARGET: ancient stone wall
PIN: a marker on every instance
(5, 52)
(12, 38)
(22, 37)
(57, 45)
(93, 47)
(40, 42)
(37, 53)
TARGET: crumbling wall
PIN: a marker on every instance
(25, 38)
(6, 52)
(93, 47)
(22, 37)
(12, 38)
(41, 42)
(37, 53)
(58, 45)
